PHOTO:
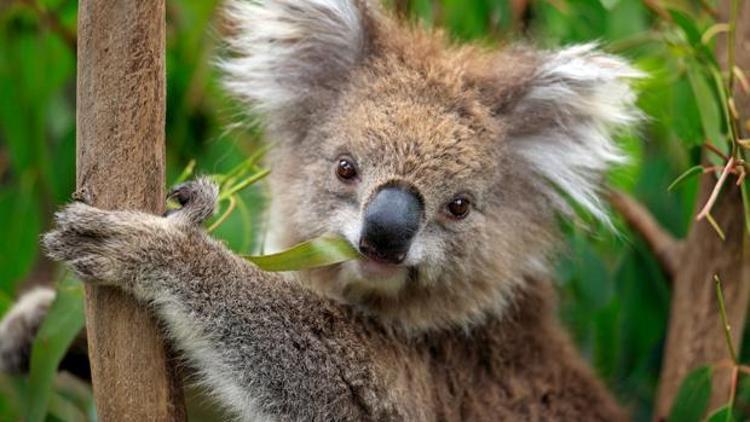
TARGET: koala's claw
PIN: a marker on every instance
(197, 198)
(82, 195)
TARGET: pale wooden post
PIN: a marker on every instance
(120, 163)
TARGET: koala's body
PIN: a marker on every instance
(444, 165)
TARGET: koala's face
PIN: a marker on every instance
(434, 162)
(409, 176)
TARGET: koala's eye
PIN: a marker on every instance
(459, 208)
(346, 170)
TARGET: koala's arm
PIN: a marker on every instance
(263, 344)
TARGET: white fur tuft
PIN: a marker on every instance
(283, 49)
(590, 99)
(212, 371)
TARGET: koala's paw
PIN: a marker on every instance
(19, 327)
(110, 247)
(117, 247)
(198, 200)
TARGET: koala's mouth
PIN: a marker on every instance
(377, 272)
(374, 269)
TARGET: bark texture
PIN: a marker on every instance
(695, 335)
(120, 164)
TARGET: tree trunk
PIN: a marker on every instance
(695, 335)
(120, 164)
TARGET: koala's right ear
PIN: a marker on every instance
(289, 55)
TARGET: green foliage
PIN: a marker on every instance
(318, 252)
(63, 323)
(614, 297)
(692, 398)
(723, 414)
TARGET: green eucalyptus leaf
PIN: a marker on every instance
(692, 171)
(692, 398)
(688, 26)
(62, 324)
(745, 191)
(710, 114)
(684, 115)
(20, 224)
(65, 410)
(722, 414)
(319, 252)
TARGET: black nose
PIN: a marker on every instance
(391, 220)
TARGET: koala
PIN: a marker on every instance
(19, 326)
(445, 165)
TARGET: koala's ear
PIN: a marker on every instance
(564, 120)
(285, 54)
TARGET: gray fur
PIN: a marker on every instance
(19, 326)
(262, 343)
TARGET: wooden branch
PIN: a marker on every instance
(666, 249)
(120, 164)
(695, 335)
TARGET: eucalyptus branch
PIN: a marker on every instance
(665, 247)
(711, 147)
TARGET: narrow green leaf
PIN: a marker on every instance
(692, 171)
(186, 172)
(243, 184)
(710, 114)
(688, 26)
(722, 414)
(63, 322)
(745, 190)
(685, 116)
(64, 409)
(720, 92)
(692, 398)
(319, 252)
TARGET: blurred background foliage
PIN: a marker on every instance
(614, 296)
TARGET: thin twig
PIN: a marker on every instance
(709, 9)
(741, 177)
(733, 386)
(742, 79)
(715, 225)
(731, 42)
(717, 188)
(725, 320)
(658, 9)
(713, 31)
(711, 147)
(665, 247)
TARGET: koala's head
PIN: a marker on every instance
(445, 166)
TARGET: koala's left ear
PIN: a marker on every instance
(564, 119)
(288, 58)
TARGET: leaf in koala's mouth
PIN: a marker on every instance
(319, 252)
